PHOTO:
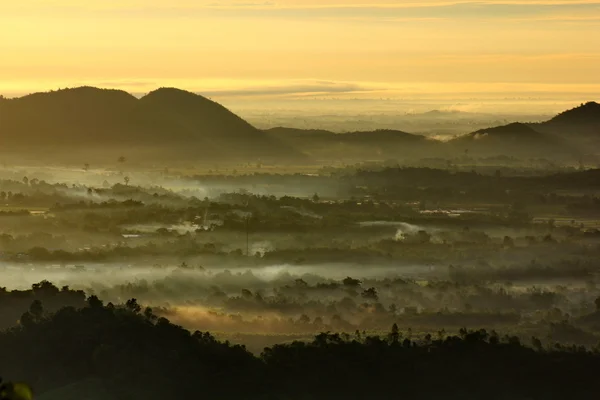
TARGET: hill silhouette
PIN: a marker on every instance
(588, 113)
(360, 144)
(513, 131)
(169, 119)
(515, 139)
(581, 125)
(173, 124)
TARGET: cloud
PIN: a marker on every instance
(339, 9)
(242, 4)
(287, 89)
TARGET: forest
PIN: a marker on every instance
(363, 281)
(127, 351)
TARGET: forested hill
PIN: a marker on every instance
(127, 352)
(88, 118)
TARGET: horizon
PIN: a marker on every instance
(374, 108)
(208, 197)
(516, 55)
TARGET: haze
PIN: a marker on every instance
(299, 199)
(472, 56)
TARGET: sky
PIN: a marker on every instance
(547, 50)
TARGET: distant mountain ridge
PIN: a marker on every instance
(580, 124)
(181, 124)
(168, 118)
(516, 139)
(563, 136)
(588, 113)
(378, 144)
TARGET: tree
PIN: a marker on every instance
(351, 282)
(394, 335)
(121, 160)
(536, 343)
(370, 294)
(26, 180)
(86, 167)
(149, 314)
(126, 179)
(597, 303)
(36, 310)
(94, 302)
(315, 198)
(132, 305)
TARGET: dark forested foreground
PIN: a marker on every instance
(127, 352)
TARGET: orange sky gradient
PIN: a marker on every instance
(297, 49)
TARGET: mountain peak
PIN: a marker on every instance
(584, 114)
(170, 91)
(85, 93)
(170, 97)
(513, 129)
(165, 118)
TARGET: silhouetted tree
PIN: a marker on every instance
(370, 294)
(351, 282)
(94, 302)
(394, 335)
(133, 306)
(36, 310)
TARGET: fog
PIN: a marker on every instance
(276, 254)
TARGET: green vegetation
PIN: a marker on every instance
(130, 353)
(115, 271)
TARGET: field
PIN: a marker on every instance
(355, 250)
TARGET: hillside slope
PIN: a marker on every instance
(379, 144)
(516, 139)
(169, 120)
(581, 125)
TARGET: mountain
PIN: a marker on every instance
(515, 132)
(171, 124)
(65, 116)
(580, 125)
(585, 114)
(516, 139)
(379, 144)
(170, 120)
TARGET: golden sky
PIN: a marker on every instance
(295, 48)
